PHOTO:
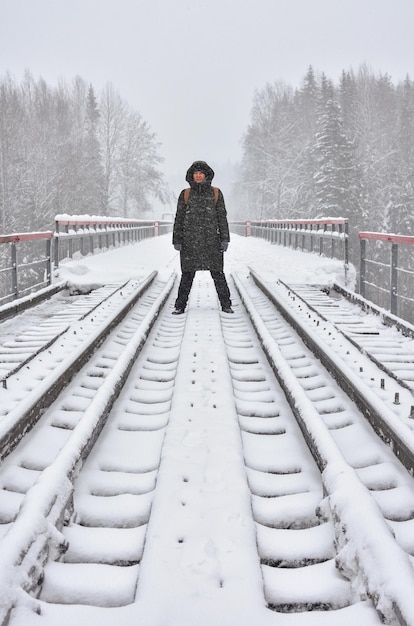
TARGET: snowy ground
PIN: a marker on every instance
(272, 262)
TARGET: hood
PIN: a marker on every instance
(199, 166)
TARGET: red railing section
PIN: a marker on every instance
(325, 236)
(388, 271)
(26, 266)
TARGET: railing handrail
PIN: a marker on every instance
(73, 221)
(74, 234)
(323, 220)
(390, 237)
(16, 237)
(64, 223)
(300, 234)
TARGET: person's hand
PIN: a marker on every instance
(224, 245)
(178, 246)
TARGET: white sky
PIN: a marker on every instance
(191, 67)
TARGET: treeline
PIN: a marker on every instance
(66, 149)
(328, 150)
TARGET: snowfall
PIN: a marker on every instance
(185, 592)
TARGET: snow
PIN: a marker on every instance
(212, 569)
(272, 262)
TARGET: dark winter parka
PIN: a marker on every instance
(201, 225)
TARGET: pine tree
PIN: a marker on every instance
(348, 100)
(336, 178)
(306, 104)
(92, 171)
(400, 209)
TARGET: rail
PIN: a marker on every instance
(27, 260)
(386, 277)
(325, 236)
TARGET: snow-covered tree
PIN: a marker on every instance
(13, 164)
(92, 172)
(400, 210)
(130, 157)
(270, 153)
(336, 179)
(63, 152)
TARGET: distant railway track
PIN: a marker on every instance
(26, 346)
(325, 490)
(390, 349)
(378, 397)
(54, 349)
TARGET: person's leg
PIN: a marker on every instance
(222, 289)
(184, 290)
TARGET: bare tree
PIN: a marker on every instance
(130, 157)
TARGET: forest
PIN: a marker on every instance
(337, 150)
(328, 150)
(67, 150)
(322, 150)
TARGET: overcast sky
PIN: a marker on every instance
(191, 67)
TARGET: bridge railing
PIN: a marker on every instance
(386, 275)
(25, 263)
(81, 236)
(387, 272)
(325, 236)
(27, 260)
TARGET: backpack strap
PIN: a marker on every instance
(187, 194)
(216, 192)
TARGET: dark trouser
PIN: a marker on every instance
(220, 283)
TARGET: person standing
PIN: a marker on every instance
(201, 234)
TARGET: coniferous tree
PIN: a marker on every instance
(306, 103)
(91, 200)
(400, 210)
(335, 179)
(348, 102)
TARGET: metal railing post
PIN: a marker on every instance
(346, 248)
(48, 261)
(15, 290)
(56, 244)
(321, 242)
(394, 278)
(362, 267)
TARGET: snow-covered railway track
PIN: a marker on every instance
(391, 348)
(44, 357)
(359, 474)
(386, 403)
(36, 476)
(19, 349)
(232, 476)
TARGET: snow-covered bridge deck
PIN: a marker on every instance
(204, 436)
